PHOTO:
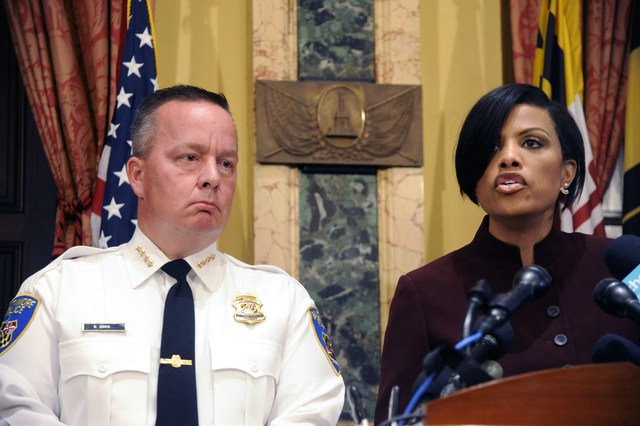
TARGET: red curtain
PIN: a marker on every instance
(68, 54)
(604, 49)
(524, 32)
(605, 75)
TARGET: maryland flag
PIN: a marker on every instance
(631, 197)
(558, 72)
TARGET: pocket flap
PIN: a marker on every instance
(256, 358)
(103, 357)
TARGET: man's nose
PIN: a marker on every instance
(209, 175)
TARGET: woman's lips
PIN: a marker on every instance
(508, 183)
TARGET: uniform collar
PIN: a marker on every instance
(144, 259)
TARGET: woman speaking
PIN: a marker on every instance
(520, 157)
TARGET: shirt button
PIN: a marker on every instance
(553, 311)
(102, 368)
(560, 340)
(254, 368)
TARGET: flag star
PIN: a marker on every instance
(104, 239)
(145, 38)
(113, 208)
(133, 67)
(154, 81)
(135, 222)
(113, 127)
(122, 175)
(123, 98)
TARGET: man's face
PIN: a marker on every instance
(186, 183)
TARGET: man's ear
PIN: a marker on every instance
(135, 171)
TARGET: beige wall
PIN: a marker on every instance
(208, 43)
(461, 60)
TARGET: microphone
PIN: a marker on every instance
(623, 260)
(529, 283)
(616, 298)
(480, 294)
(614, 348)
(494, 345)
(458, 371)
(478, 297)
(394, 402)
(355, 402)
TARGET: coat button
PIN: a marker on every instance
(553, 311)
(560, 340)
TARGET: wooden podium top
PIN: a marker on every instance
(595, 394)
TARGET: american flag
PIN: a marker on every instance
(115, 206)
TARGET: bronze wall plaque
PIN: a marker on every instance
(319, 122)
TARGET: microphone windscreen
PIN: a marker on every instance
(613, 348)
(623, 255)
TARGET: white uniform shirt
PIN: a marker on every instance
(274, 372)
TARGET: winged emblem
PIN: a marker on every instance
(335, 123)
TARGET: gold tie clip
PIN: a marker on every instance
(176, 361)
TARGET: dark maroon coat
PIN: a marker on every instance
(429, 306)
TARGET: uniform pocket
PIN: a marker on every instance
(245, 374)
(110, 375)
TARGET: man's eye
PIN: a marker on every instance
(190, 157)
(227, 164)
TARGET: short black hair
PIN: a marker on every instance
(483, 126)
(142, 126)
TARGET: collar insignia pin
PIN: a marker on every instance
(248, 308)
(145, 258)
(206, 260)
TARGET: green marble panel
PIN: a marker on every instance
(336, 40)
(339, 267)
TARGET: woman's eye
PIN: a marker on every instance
(532, 143)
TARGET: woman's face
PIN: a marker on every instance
(526, 173)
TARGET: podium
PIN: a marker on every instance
(595, 394)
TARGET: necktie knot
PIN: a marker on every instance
(178, 269)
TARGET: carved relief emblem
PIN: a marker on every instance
(338, 123)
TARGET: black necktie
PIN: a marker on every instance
(177, 403)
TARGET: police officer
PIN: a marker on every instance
(166, 326)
